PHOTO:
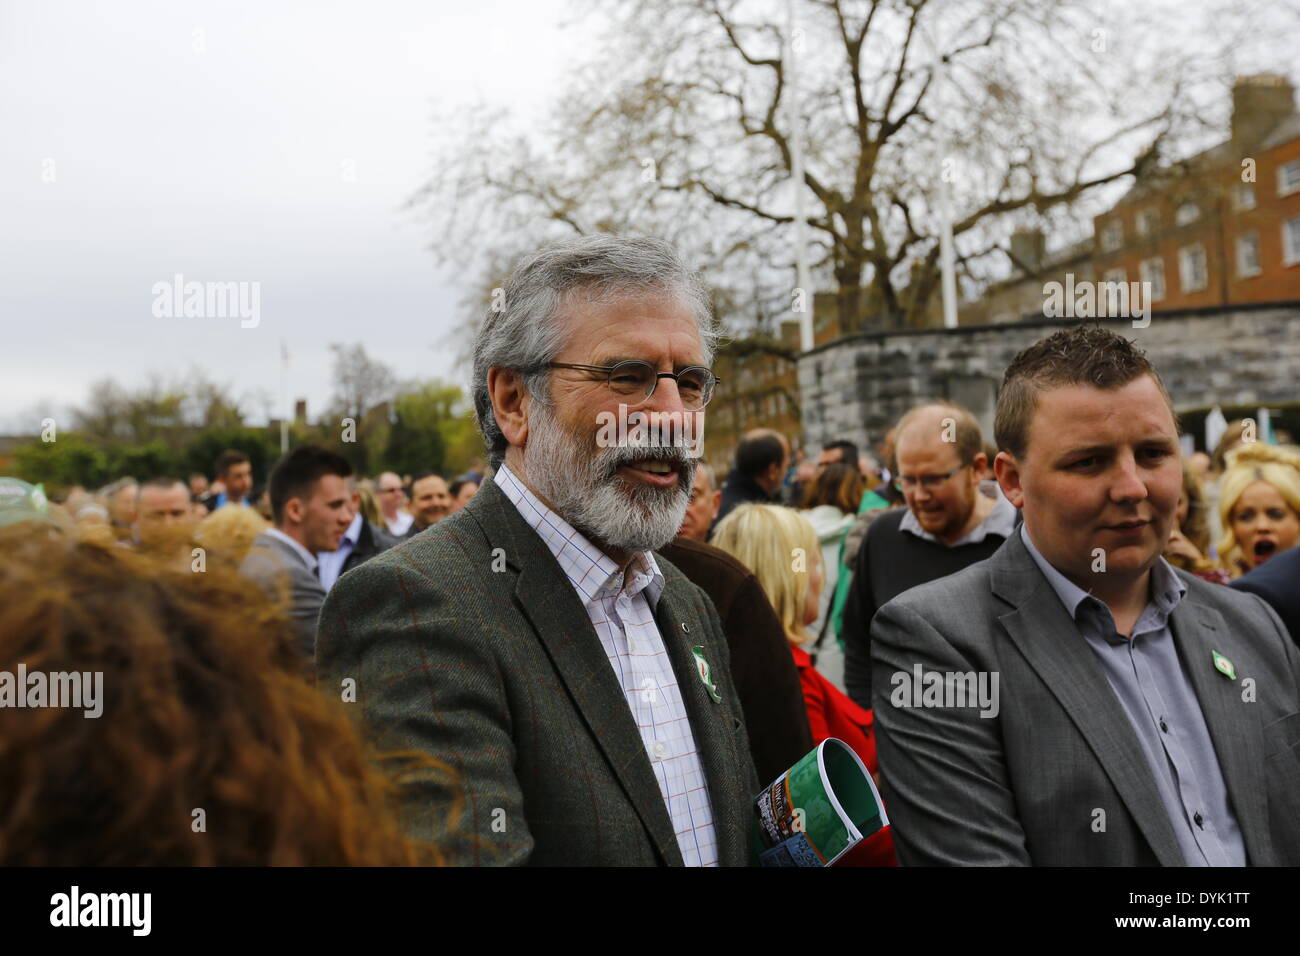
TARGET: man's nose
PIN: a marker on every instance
(1128, 484)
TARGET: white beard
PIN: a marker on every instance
(586, 491)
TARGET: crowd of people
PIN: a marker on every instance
(576, 654)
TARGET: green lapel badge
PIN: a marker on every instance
(1223, 665)
(706, 675)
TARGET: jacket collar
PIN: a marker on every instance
(549, 601)
(1038, 623)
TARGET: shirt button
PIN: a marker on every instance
(631, 646)
(660, 751)
(1163, 726)
(1200, 821)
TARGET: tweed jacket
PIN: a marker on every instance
(468, 644)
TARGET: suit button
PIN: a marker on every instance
(686, 628)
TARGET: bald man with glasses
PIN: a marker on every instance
(948, 524)
(392, 501)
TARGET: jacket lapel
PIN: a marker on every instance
(1051, 643)
(1199, 631)
(709, 719)
(551, 605)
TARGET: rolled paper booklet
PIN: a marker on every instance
(818, 811)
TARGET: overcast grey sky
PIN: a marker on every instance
(217, 140)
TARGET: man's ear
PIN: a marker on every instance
(509, 404)
(294, 510)
(775, 472)
(1008, 471)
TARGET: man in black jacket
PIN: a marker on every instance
(361, 542)
(761, 459)
(947, 526)
(1277, 581)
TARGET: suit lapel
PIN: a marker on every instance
(551, 604)
(1199, 631)
(709, 719)
(1051, 643)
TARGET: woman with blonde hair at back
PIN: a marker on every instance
(1259, 505)
(781, 548)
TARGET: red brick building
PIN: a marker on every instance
(1224, 228)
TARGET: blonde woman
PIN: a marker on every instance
(782, 549)
(228, 533)
(1189, 541)
(1259, 506)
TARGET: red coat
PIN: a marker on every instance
(832, 714)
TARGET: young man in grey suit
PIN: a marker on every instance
(1074, 700)
(576, 687)
(312, 509)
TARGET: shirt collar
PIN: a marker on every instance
(592, 573)
(354, 531)
(1167, 589)
(1000, 521)
(306, 555)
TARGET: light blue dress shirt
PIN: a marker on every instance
(1148, 678)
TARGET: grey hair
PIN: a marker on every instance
(520, 330)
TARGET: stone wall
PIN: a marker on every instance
(857, 387)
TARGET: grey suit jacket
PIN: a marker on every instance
(285, 578)
(468, 644)
(1024, 787)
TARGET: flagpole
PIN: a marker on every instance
(284, 408)
(796, 171)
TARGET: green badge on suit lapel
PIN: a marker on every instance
(1223, 665)
(706, 675)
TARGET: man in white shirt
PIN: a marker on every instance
(392, 504)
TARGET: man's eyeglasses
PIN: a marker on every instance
(928, 482)
(637, 380)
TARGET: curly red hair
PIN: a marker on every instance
(205, 706)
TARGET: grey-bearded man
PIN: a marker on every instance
(574, 688)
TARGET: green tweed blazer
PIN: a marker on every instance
(468, 643)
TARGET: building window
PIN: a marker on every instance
(1191, 268)
(1114, 275)
(1187, 212)
(1244, 196)
(1153, 271)
(1291, 242)
(1112, 236)
(1148, 222)
(1248, 255)
(1288, 178)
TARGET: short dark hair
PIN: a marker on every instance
(754, 455)
(166, 482)
(420, 476)
(1078, 355)
(848, 450)
(229, 459)
(294, 475)
(459, 483)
